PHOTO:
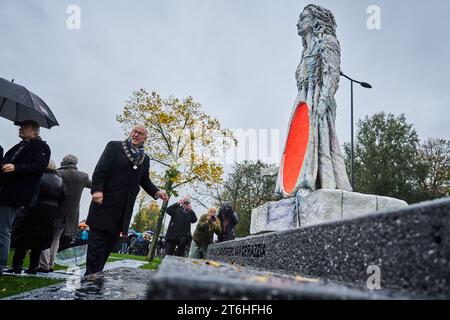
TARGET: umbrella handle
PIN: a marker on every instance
(3, 103)
(4, 99)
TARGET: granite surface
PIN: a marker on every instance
(191, 279)
(410, 246)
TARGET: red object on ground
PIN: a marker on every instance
(295, 149)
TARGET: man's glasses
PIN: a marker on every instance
(139, 133)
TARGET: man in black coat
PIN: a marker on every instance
(178, 234)
(122, 168)
(21, 171)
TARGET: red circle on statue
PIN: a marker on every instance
(296, 146)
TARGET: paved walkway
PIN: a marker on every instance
(114, 284)
(71, 271)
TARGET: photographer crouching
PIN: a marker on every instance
(204, 233)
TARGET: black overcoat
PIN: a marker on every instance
(180, 222)
(33, 227)
(228, 230)
(20, 188)
(115, 177)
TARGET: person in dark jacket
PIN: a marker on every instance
(66, 223)
(122, 168)
(178, 235)
(33, 228)
(228, 220)
(21, 171)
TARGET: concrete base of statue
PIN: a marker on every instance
(321, 206)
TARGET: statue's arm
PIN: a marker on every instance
(330, 57)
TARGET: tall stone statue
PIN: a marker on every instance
(312, 158)
(312, 174)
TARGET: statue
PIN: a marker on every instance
(312, 158)
(312, 174)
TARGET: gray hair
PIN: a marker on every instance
(69, 159)
(37, 131)
(324, 21)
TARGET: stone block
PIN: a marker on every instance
(410, 246)
(274, 216)
(321, 206)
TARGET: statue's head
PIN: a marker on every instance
(317, 20)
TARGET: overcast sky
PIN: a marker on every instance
(236, 57)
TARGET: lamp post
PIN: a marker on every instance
(367, 86)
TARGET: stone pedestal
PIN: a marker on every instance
(274, 216)
(318, 207)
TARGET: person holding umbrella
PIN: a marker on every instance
(21, 170)
(22, 167)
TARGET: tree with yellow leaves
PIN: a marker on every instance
(184, 143)
(147, 214)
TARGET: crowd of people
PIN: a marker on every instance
(40, 204)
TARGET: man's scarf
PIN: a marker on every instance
(135, 154)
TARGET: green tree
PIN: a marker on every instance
(248, 186)
(386, 157)
(434, 162)
(184, 143)
(146, 217)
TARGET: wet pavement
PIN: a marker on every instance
(123, 283)
(65, 274)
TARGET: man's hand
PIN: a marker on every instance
(97, 197)
(161, 194)
(8, 168)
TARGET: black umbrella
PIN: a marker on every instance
(18, 104)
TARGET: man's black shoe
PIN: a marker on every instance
(41, 270)
(31, 271)
(13, 270)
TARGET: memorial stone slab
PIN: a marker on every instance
(410, 247)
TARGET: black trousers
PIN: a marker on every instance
(173, 247)
(100, 245)
(19, 255)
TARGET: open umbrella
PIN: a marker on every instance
(72, 256)
(18, 104)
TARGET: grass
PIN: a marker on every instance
(12, 285)
(118, 256)
(26, 261)
(152, 265)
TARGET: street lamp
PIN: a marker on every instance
(367, 86)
